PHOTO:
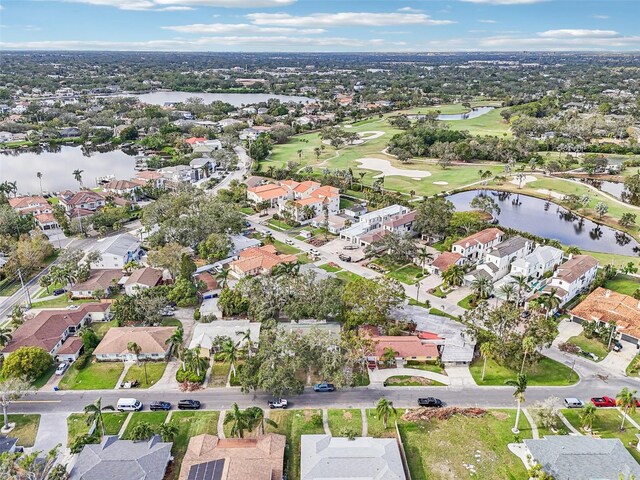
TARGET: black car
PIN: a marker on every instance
(59, 291)
(324, 387)
(188, 405)
(430, 402)
(159, 406)
(344, 258)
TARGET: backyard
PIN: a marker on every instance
(547, 372)
(624, 284)
(95, 376)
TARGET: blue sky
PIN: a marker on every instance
(320, 25)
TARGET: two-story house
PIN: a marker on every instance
(117, 251)
(543, 259)
(371, 221)
(82, 200)
(474, 246)
(497, 260)
(572, 278)
(32, 204)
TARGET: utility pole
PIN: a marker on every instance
(25, 290)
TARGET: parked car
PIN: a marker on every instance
(166, 312)
(62, 368)
(314, 252)
(617, 347)
(159, 405)
(288, 241)
(573, 403)
(350, 247)
(73, 307)
(129, 405)
(603, 401)
(59, 291)
(279, 403)
(344, 258)
(324, 387)
(188, 405)
(430, 402)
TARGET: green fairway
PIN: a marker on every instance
(625, 284)
(490, 123)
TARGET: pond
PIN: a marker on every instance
(473, 113)
(549, 220)
(56, 164)
(615, 189)
(235, 99)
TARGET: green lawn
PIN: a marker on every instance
(170, 322)
(347, 202)
(411, 381)
(427, 366)
(45, 292)
(490, 123)
(96, 376)
(278, 224)
(219, 374)
(155, 370)
(632, 369)
(623, 284)
(247, 210)
(440, 449)
(593, 345)
(293, 424)
(547, 372)
(60, 302)
(330, 268)
(285, 249)
(466, 302)
(77, 424)
(341, 420)
(618, 261)
(408, 274)
(346, 276)
(155, 419)
(435, 311)
(189, 425)
(375, 426)
(26, 428)
(101, 328)
(40, 382)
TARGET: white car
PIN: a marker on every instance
(288, 241)
(73, 307)
(61, 368)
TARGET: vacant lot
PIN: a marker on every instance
(95, 376)
(546, 372)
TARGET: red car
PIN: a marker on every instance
(603, 401)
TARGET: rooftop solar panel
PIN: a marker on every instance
(207, 471)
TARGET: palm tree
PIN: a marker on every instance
(77, 175)
(229, 353)
(5, 336)
(168, 431)
(549, 301)
(423, 256)
(39, 175)
(482, 287)
(287, 269)
(254, 418)
(454, 275)
(388, 355)
(222, 278)
(384, 409)
(627, 400)
(486, 350)
(528, 347)
(197, 363)
(521, 282)
(588, 415)
(246, 339)
(508, 290)
(134, 348)
(175, 342)
(520, 385)
(238, 420)
(94, 412)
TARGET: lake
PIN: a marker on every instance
(57, 164)
(615, 189)
(474, 113)
(549, 220)
(235, 99)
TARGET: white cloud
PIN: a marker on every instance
(410, 10)
(177, 8)
(365, 19)
(242, 28)
(505, 2)
(578, 33)
(601, 17)
(487, 21)
(173, 5)
(560, 42)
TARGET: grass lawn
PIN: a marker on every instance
(623, 284)
(607, 425)
(170, 322)
(632, 368)
(490, 123)
(440, 449)
(346, 276)
(60, 302)
(9, 286)
(375, 427)
(285, 249)
(77, 424)
(26, 428)
(347, 202)
(247, 210)
(96, 376)
(408, 274)
(618, 261)
(304, 258)
(592, 345)
(330, 268)
(189, 425)
(546, 372)
(45, 292)
(440, 313)
(427, 366)
(155, 370)
(219, 374)
(466, 302)
(101, 328)
(40, 382)
(439, 292)
(293, 424)
(155, 419)
(411, 381)
(278, 224)
(340, 420)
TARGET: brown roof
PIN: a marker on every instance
(483, 237)
(145, 276)
(119, 185)
(445, 260)
(406, 346)
(47, 328)
(83, 196)
(573, 269)
(259, 458)
(19, 203)
(265, 258)
(374, 235)
(604, 305)
(208, 279)
(44, 218)
(150, 340)
(70, 346)
(269, 191)
(98, 280)
(148, 175)
(402, 219)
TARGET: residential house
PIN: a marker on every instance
(252, 133)
(572, 278)
(32, 204)
(444, 261)
(497, 260)
(152, 342)
(122, 188)
(201, 168)
(333, 223)
(205, 334)
(405, 347)
(176, 174)
(371, 221)
(267, 193)
(259, 260)
(82, 200)
(308, 199)
(569, 457)
(52, 329)
(141, 279)
(324, 457)
(209, 457)
(474, 246)
(117, 251)
(401, 224)
(535, 265)
(115, 459)
(146, 177)
(46, 221)
(69, 132)
(241, 243)
(604, 306)
(103, 281)
(8, 444)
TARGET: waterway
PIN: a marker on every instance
(549, 220)
(235, 99)
(474, 113)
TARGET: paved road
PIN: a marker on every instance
(244, 165)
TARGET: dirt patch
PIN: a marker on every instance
(308, 414)
(425, 413)
(500, 415)
(347, 415)
(418, 380)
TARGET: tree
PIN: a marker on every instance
(433, 217)
(255, 420)
(371, 301)
(12, 389)
(229, 354)
(94, 414)
(238, 421)
(528, 347)
(423, 255)
(32, 466)
(626, 399)
(168, 256)
(232, 302)
(168, 431)
(384, 409)
(90, 339)
(134, 348)
(546, 413)
(588, 416)
(521, 283)
(520, 385)
(549, 301)
(215, 247)
(486, 350)
(26, 362)
(481, 287)
(175, 342)
(508, 290)
(5, 336)
(602, 209)
(141, 431)
(39, 175)
(453, 276)
(485, 204)
(77, 175)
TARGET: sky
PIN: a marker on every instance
(321, 25)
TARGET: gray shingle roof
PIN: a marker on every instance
(569, 457)
(509, 246)
(119, 245)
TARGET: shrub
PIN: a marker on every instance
(569, 348)
(82, 361)
(188, 376)
(316, 420)
(196, 314)
(29, 362)
(79, 442)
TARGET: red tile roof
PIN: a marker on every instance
(483, 237)
(445, 260)
(263, 258)
(20, 203)
(407, 346)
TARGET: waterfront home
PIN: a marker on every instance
(474, 246)
(572, 278)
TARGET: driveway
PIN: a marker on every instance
(617, 362)
(51, 432)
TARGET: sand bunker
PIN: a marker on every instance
(370, 135)
(441, 183)
(387, 169)
(525, 180)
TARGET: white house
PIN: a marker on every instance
(572, 278)
(151, 340)
(371, 221)
(117, 251)
(542, 260)
(474, 246)
(497, 260)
